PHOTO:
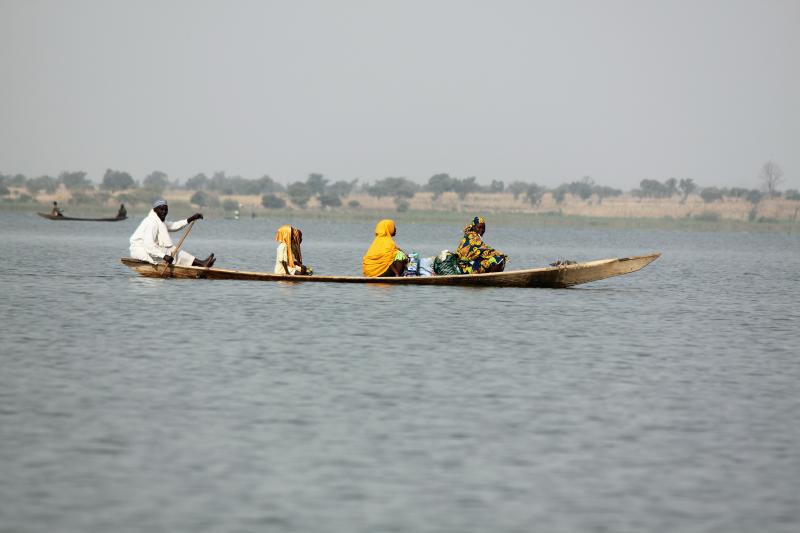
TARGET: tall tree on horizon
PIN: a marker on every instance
(771, 175)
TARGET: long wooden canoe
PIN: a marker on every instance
(54, 217)
(553, 277)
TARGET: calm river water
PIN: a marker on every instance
(666, 400)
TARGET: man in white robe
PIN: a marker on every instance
(151, 242)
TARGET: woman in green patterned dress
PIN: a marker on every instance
(474, 255)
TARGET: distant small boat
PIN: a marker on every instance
(550, 277)
(54, 217)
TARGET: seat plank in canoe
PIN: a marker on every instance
(549, 277)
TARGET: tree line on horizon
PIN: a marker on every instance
(124, 188)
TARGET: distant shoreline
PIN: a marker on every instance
(182, 208)
(682, 212)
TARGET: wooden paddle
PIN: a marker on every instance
(178, 248)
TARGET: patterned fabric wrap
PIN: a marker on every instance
(475, 222)
(474, 255)
(296, 252)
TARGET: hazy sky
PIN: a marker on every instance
(536, 91)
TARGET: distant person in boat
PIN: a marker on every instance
(474, 255)
(384, 258)
(56, 212)
(122, 213)
(151, 242)
(289, 260)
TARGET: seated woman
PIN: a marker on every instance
(384, 258)
(289, 260)
(474, 255)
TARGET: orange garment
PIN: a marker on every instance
(382, 252)
(284, 235)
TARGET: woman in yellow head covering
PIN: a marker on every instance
(384, 258)
(289, 260)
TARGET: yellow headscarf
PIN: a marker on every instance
(382, 252)
(284, 235)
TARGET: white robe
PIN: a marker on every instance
(283, 257)
(150, 242)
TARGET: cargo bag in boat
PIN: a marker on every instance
(426, 266)
(412, 267)
(446, 264)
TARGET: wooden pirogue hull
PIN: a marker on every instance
(53, 217)
(552, 277)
